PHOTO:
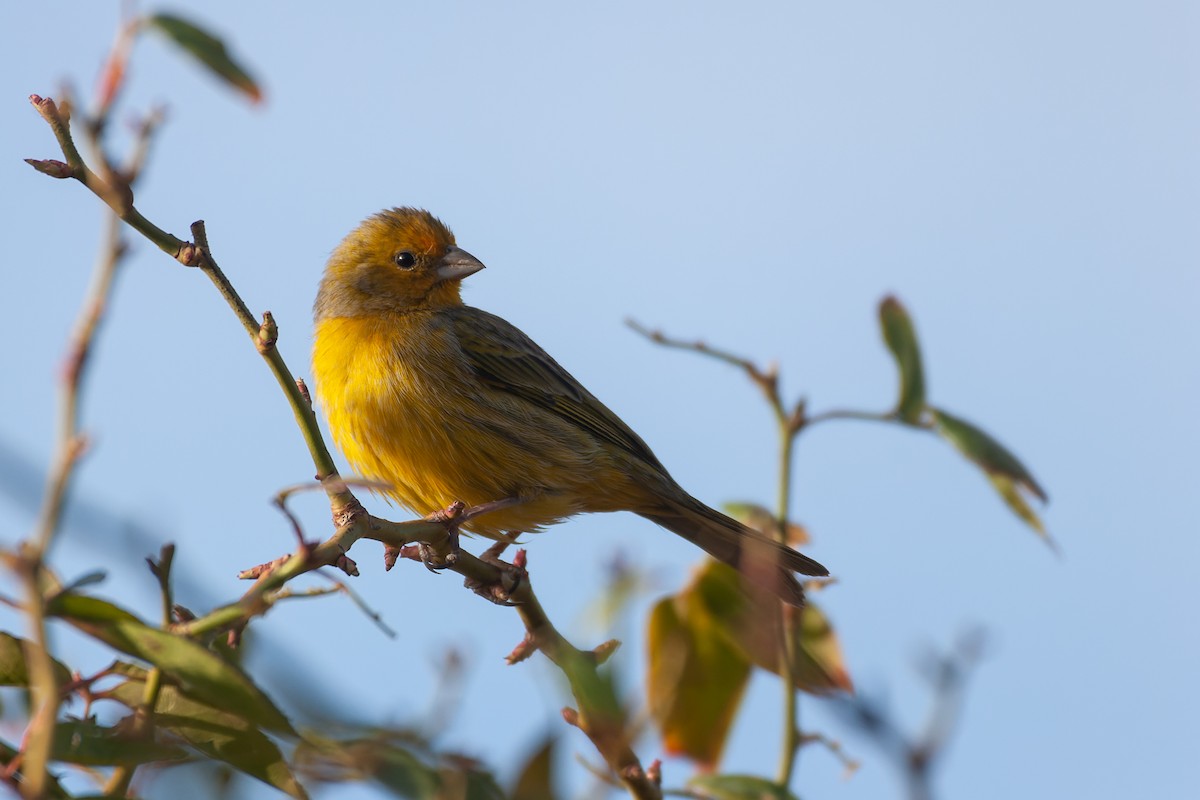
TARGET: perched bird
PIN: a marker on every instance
(445, 402)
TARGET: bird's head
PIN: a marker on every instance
(398, 260)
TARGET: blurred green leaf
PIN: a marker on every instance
(85, 743)
(218, 734)
(626, 583)
(901, 339)
(13, 668)
(536, 779)
(54, 790)
(738, 787)
(208, 50)
(198, 671)
(750, 621)
(385, 758)
(463, 778)
(763, 520)
(695, 681)
(1007, 474)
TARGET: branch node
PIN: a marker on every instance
(344, 515)
(268, 335)
(303, 387)
(633, 773)
(189, 255)
(234, 637)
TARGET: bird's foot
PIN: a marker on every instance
(512, 576)
(435, 556)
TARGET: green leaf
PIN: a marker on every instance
(695, 681)
(85, 743)
(901, 339)
(536, 779)
(739, 787)
(208, 50)
(750, 621)
(1007, 474)
(14, 670)
(220, 735)
(198, 671)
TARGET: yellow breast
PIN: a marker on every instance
(406, 410)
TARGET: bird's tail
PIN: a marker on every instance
(746, 550)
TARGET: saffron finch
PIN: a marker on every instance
(442, 402)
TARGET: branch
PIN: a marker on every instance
(118, 195)
(599, 714)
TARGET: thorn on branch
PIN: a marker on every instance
(303, 387)
(571, 717)
(603, 651)
(52, 167)
(254, 573)
(391, 554)
(524, 649)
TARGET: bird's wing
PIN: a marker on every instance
(506, 359)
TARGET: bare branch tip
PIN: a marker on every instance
(44, 105)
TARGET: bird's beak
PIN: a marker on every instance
(456, 265)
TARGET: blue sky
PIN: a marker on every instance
(1022, 175)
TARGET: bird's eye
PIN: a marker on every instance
(405, 260)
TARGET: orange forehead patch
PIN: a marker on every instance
(419, 230)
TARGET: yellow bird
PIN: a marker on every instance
(444, 402)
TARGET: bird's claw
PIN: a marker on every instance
(435, 558)
(432, 560)
(511, 576)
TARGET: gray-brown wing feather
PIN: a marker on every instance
(508, 360)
